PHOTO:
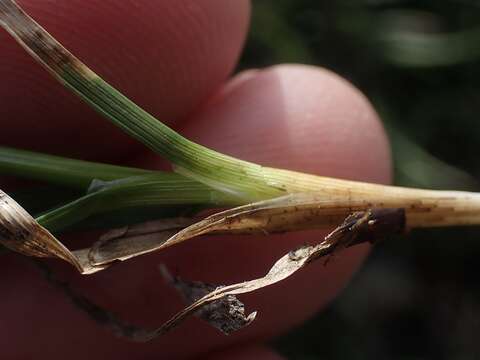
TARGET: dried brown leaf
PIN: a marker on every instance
(21, 233)
(130, 241)
(218, 305)
(226, 315)
(287, 213)
(371, 225)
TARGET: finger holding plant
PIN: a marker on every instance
(288, 116)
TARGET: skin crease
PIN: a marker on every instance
(291, 116)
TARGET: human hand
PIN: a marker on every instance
(173, 59)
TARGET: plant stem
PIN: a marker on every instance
(242, 178)
(137, 187)
(147, 191)
(246, 181)
(76, 174)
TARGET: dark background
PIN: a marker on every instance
(417, 297)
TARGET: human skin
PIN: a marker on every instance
(174, 58)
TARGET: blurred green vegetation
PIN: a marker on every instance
(418, 62)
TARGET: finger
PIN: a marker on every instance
(158, 53)
(297, 117)
(302, 118)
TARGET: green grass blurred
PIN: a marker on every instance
(418, 62)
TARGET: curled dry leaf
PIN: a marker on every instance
(371, 225)
(130, 241)
(21, 233)
(226, 314)
(299, 211)
(219, 306)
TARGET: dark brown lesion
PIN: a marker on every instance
(370, 226)
(13, 234)
(48, 50)
(226, 314)
(21, 233)
(23, 240)
(37, 40)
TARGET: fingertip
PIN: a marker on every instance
(298, 117)
(301, 118)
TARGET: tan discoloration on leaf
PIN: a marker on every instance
(21, 233)
(38, 42)
(301, 211)
(130, 241)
